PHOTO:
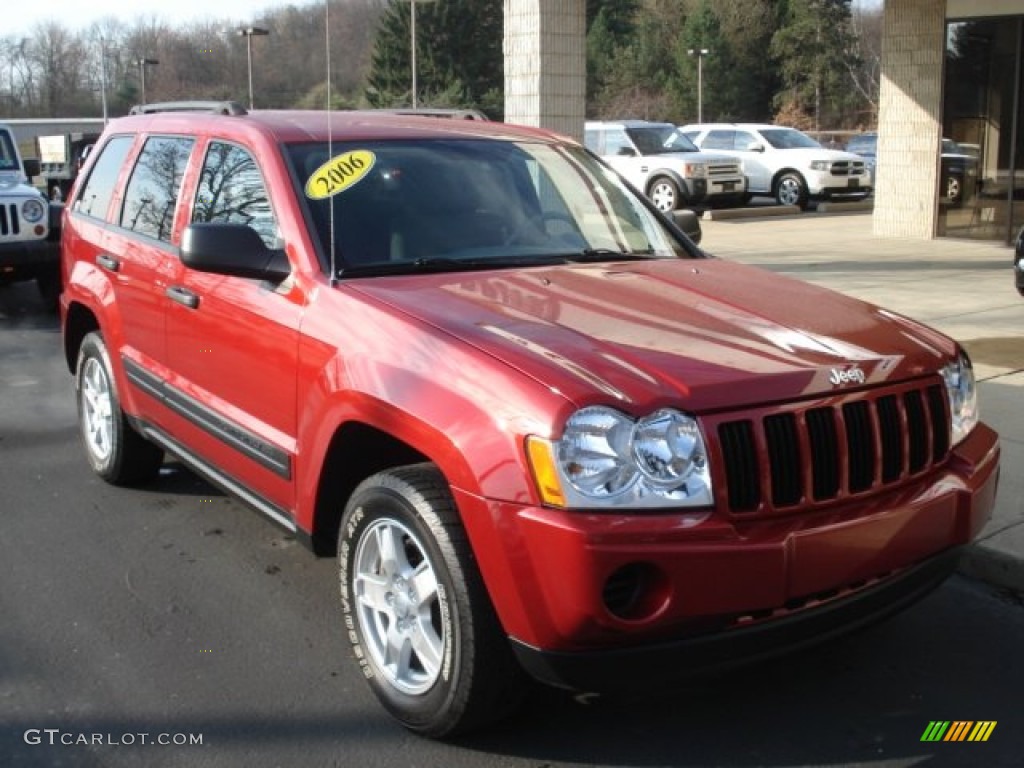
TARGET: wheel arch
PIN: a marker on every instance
(356, 451)
(782, 172)
(665, 173)
(79, 322)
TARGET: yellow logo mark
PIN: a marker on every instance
(339, 173)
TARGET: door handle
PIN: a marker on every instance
(183, 296)
(108, 262)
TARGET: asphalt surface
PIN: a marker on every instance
(176, 611)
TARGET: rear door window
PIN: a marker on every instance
(719, 140)
(152, 194)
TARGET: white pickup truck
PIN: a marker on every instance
(658, 160)
(29, 224)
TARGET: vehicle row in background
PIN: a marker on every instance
(784, 163)
(658, 160)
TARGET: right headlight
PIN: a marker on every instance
(695, 170)
(33, 211)
(606, 458)
(961, 389)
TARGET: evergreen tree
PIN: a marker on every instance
(453, 68)
(813, 50)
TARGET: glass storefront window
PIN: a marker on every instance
(982, 166)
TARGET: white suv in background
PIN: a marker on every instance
(784, 163)
(658, 160)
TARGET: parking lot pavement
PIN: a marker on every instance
(963, 288)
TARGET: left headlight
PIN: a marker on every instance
(33, 211)
(606, 458)
(962, 392)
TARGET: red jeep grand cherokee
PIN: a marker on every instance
(546, 435)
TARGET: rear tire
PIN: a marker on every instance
(417, 613)
(116, 452)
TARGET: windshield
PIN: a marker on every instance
(8, 158)
(660, 139)
(449, 204)
(788, 138)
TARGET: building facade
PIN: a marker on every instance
(951, 69)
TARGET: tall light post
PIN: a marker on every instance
(700, 53)
(412, 45)
(249, 33)
(143, 63)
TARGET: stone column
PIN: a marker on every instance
(910, 119)
(545, 64)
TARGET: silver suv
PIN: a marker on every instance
(784, 163)
(671, 171)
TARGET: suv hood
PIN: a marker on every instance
(809, 154)
(700, 157)
(702, 334)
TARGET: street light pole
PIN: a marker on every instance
(700, 53)
(248, 33)
(143, 63)
(412, 45)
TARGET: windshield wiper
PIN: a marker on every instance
(443, 264)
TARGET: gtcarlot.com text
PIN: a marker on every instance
(57, 737)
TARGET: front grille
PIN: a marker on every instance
(780, 458)
(847, 168)
(724, 169)
(9, 224)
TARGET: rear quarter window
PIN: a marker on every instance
(94, 199)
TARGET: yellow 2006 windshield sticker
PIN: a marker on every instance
(339, 173)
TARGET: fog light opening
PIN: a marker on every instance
(636, 592)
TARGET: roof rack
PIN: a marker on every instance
(455, 114)
(212, 107)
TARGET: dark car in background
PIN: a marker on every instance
(958, 171)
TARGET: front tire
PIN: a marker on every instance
(115, 451)
(665, 195)
(417, 613)
(790, 189)
(954, 189)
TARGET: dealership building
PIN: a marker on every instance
(950, 69)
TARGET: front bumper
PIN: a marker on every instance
(825, 184)
(580, 592)
(704, 190)
(628, 668)
(22, 259)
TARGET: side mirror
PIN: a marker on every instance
(754, 146)
(687, 221)
(31, 167)
(626, 152)
(231, 249)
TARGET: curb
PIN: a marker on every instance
(727, 214)
(993, 566)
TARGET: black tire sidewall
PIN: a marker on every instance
(428, 712)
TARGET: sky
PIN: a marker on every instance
(77, 15)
